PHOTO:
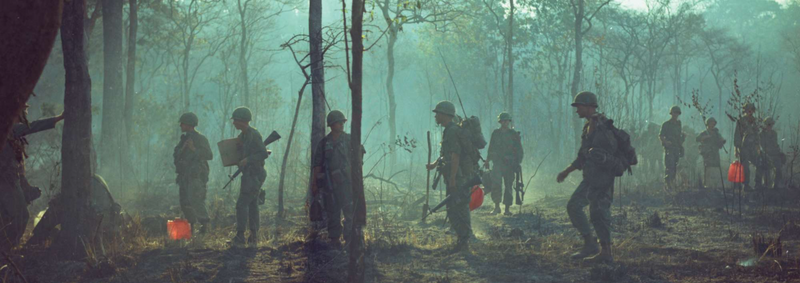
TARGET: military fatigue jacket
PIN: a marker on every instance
(192, 163)
(505, 148)
(253, 148)
(746, 133)
(671, 131)
(334, 155)
(769, 142)
(453, 142)
(710, 142)
(598, 148)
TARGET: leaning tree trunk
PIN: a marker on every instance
(113, 99)
(76, 139)
(356, 262)
(28, 33)
(281, 182)
(317, 77)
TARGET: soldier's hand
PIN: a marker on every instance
(243, 163)
(430, 166)
(561, 176)
(190, 144)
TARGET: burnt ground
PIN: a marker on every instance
(683, 236)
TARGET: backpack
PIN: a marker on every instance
(472, 132)
(626, 153)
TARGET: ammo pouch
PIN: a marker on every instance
(606, 160)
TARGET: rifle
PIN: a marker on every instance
(274, 136)
(457, 196)
(519, 187)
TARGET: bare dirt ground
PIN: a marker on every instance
(683, 236)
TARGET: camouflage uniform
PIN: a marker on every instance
(746, 141)
(710, 143)
(597, 188)
(671, 131)
(772, 157)
(192, 169)
(253, 176)
(334, 156)
(505, 152)
(15, 191)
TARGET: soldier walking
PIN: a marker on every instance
(746, 141)
(596, 157)
(331, 171)
(711, 142)
(772, 157)
(672, 139)
(505, 152)
(252, 147)
(191, 158)
(456, 169)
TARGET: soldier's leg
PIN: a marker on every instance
(253, 216)
(460, 221)
(601, 198)
(46, 226)
(185, 197)
(199, 192)
(575, 205)
(345, 197)
(670, 166)
(762, 173)
(246, 197)
(333, 210)
(508, 193)
(747, 160)
(497, 185)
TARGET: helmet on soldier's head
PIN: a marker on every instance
(504, 117)
(769, 121)
(749, 106)
(335, 116)
(242, 113)
(710, 120)
(189, 119)
(585, 98)
(445, 107)
(675, 109)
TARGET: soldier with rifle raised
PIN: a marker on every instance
(505, 152)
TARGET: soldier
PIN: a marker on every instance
(672, 138)
(15, 191)
(252, 147)
(745, 139)
(710, 143)
(596, 156)
(505, 151)
(772, 156)
(331, 171)
(456, 169)
(191, 157)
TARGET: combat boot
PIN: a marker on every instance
(590, 248)
(462, 246)
(252, 241)
(238, 241)
(605, 255)
(508, 211)
(496, 209)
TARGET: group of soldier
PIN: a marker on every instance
(755, 144)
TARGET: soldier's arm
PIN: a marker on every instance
(491, 151)
(518, 144)
(455, 158)
(204, 149)
(21, 130)
(316, 165)
(662, 135)
(260, 150)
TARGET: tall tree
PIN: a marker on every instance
(28, 33)
(510, 95)
(356, 262)
(76, 139)
(113, 97)
(579, 12)
(130, 70)
(396, 14)
(317, 74)
(253, 21)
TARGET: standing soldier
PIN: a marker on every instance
(772, 156)
(745, 139)
(505, 151)
(331, 171)
(672, 139)
(252, 147)
(710, 143)
(596, 157)
(15, 191)
(191, 164)
(455, 170)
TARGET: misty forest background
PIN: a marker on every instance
(209, 57)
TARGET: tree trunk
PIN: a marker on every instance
(113, 98)
(281, 182)
(130, 71)
(28, 34)
(576, 73)
(243, 60)
(356, 262)
(510, 100)
(319, 108)
(76, 139)
(390, 92)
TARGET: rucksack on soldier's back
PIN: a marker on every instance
(472, 129)
(626, 153)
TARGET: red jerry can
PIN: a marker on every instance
(736, 172)
(179, 229)
(476, 198)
